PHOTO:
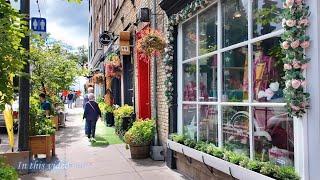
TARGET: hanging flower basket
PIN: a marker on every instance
(113, 66)
(152, 43)
(98, 78)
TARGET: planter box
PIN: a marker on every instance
(42, 144)
(18, 160)
(233, 170)
(140, 152)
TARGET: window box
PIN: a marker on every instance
(236, 171)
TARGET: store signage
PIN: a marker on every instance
(124, 43)
(105, 38)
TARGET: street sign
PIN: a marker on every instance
(39, 24)
(105, 38)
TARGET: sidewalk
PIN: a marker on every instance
(76, 159)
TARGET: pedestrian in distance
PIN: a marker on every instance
(70, 99)
(45, 105)
(85, 100)
(91, 114)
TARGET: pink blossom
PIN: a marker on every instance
(295, 83)
(305, 44)
(269, 93)
(287, 66)
(304, 83)
(296, 64)
(304, 22)
(289, 3)
(295, 44)
(304, 66)
(290, 22)
(298, 2)
(285, 45)
(295, 108)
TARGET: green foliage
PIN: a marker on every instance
(244, 162)
(287, 173)
(105, 108)
(7, 172)
(267, 15)
(12, 54)
(141, 133)
(215, 151)
(269, 169)
(178, 138)
(44, 126)
(201, 146)
(254, 166)
(190, 142)
(119, 114)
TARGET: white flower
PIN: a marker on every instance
(269, 93)
(288, 83)
(274, 86)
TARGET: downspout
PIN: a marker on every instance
(154, 77)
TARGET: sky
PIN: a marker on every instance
(67, 22)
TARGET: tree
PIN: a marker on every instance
(12, 30)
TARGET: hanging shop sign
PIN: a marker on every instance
(105, 38)
(124, 43)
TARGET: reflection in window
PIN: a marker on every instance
(189, 39)
(208, 31)
(273, 135)
(208, 124)
(235, 75)
(265, 24)
(268, 71)
(190, 121)
(236, 129)
(190, 81)
(235, 22)
(208, 79)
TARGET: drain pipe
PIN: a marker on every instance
(154, 77)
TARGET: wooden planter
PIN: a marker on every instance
(18, 160)
(42, 144)
(226, 167)
(55, 121)
(140, 152)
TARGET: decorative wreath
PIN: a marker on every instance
(151, 42)
(113, 66)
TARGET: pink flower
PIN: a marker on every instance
(289, 3)
(296, 64)
(298, 2)
(304, 22)
(295, 44)
(305, 44)
(304, 105)
(304, 66)
(295, 83)
(285, 45)
(290, 22)
(287, 66)
(295, 108)
(304, 84)
(269, 93)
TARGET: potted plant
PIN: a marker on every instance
(7, 172)
(123, 118)
(113, 66)
(107, 112)
(42, 139)
(151, 42)
(139, 137)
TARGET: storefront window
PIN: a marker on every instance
(235, 21)
(235, 75)
(235, 78)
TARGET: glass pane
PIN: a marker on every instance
(236, 129)
(234, 21)
(190, 81)
(189, 39)
(268, 71)
(208, 124)
(262, 23)
(235, 75)
(208, 30)
(208, 79)
(273, 135)
(190, 121)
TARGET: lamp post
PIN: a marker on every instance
(24, 87)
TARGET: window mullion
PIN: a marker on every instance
(180, 82)
(219, 75)
(197, 75)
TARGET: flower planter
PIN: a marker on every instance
(55, 121)
(233, 170)
(140, 152)
(18, 160)
(109, 118)
(126, 123)
(42, 144)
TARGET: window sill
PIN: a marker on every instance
(236, 171)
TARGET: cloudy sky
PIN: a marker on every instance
(67, 22)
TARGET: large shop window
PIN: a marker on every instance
(230, 81)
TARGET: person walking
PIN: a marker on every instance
(91, 114)
(45, 105)
(85, 100)
(70, 99)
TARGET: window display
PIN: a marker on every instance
(189, 81)
(208, 79)
(190, 121)
(208, 30)
(189, 39)
(208, 124)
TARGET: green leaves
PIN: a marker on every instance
(141, 133)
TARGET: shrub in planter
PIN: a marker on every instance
(178, 138)
(123, 118)
(190, 142)
(139, 137)
(287, 173)
(215, 151)
(201, 146)
(107, 111)
(269, 169)
(254, 166)
(7, 172)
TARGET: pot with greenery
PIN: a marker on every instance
(124, 118)
(107, 110)
(139, 137)
(7, 172)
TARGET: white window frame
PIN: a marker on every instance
(298, 158)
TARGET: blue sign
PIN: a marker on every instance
(39, 24)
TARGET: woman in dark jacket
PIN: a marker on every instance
(91, 114)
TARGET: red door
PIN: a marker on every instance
(143, 84)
